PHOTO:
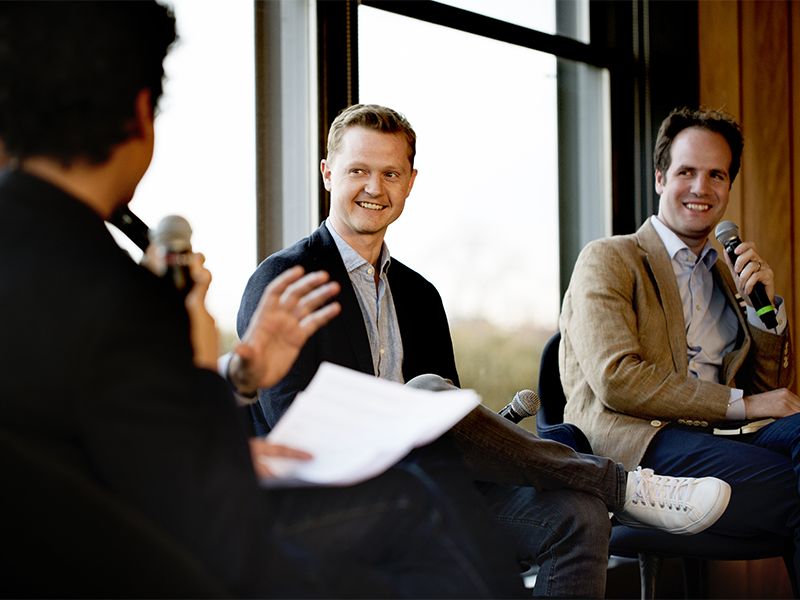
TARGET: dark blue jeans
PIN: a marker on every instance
(420, 530)
(551, 501)
(563, 531)
(762, 469)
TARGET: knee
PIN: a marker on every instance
(573, 527)
(591, 512)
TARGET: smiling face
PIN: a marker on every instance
(369, 178)
(695, 189)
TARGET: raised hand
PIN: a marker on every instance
(292, 308)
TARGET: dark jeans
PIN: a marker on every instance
(420, 530)
(551, 500)
(564, 532)
(761, 468)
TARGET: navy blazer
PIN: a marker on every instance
(427, 346)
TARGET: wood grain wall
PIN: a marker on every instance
(749, 57)
(749, 61)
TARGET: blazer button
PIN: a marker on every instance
(655, 423)
(682, 421)
(704, 423)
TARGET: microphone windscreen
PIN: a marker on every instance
(726, 231)
(174, 233)
(526, 402)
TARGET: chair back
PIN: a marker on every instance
(550, 418)
(551, 394)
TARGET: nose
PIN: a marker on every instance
(374, 186)
(701, 185)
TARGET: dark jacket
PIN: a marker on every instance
(97, 380)
(427, 346)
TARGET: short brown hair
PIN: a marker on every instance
(713, 120)
(371, 116)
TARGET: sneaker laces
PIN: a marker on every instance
(666, 492)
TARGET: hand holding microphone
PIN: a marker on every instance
(172, 239)
(172, 242)
(167, 248)
(727, 234)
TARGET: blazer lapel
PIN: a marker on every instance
(734, 359)
(664, 278)
(350, 322)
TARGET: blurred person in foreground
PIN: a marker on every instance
(552, 501)
(110, 379)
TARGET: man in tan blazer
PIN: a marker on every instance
(661, 356)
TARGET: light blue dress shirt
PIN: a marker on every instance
(711, 323)
(377, 308)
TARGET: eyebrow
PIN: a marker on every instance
(363, 165)
(683, 166)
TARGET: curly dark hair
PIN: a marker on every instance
(70, 73)
(713, 120)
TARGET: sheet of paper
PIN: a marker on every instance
(356, 426)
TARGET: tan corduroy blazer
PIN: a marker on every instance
(623, 356)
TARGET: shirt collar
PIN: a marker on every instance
(352, 259)
(675, 246)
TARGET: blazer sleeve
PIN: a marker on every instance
(770, 363)
(275, 401)
(162, 433)
(616, 339)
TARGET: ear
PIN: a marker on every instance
(144, 116)
(326, 174)
(411, 181)
(661, 181)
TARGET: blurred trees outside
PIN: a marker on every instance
(498, 362)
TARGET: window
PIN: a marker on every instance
(495, 188)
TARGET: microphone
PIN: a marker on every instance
(525, 404)
(172, 238)
(132, 226)
(728, 235)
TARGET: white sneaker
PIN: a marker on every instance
(681, 505)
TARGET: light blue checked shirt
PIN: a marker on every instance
(377, 308)
(711, 323)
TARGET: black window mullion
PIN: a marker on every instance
(469, 22)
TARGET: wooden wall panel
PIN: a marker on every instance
(766, 109)
(720, 86)
(749, 62)
(794, 113)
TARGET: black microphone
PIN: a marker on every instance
(132, 226)
(525, 404)
(728, 235)
(172, 238)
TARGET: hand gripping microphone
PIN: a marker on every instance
(172, 237)
(525, 404)
(728, 235)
